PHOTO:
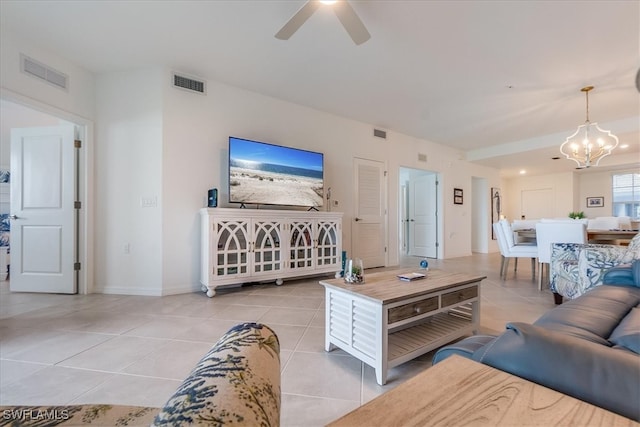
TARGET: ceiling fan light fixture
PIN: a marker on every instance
(590, 143)
(343, 10)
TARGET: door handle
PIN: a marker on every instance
(412, 220)
(357, 219)
(13, 216)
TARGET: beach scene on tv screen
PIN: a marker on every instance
(261, 173)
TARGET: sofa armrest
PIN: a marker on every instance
(236, 382)
(598, 374)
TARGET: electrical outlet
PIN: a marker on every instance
(149, 202)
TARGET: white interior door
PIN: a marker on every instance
(423, 218)
(42, 210)
(368, 231)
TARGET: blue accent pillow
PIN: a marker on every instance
(620, 275)
(627, 333)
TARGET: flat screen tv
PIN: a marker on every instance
(267, 174)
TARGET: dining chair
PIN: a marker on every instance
(508, 249)
(548, 233)
(604, 223)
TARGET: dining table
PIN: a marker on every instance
(614, 237)
(620, 237)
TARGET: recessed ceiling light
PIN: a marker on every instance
(624, 146)
(522, 172)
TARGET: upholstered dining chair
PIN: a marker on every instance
(556, 232)
(508, 249)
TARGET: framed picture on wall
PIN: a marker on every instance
(457, 196)
(595, 202)
(496, 207)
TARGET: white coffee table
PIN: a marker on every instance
(386, 321)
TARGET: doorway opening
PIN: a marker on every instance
(19, 113)
(418, 212)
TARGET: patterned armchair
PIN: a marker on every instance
(576, 268)
(236, 383)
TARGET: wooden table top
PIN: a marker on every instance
(385, 287)
(613, 233)
(461, 392)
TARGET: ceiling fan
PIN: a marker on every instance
(343, 10)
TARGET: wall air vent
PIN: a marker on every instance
(43, 72)
(380, 133)
(189, 83)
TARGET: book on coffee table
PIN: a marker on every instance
(411, 276)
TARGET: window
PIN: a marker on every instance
(626, 195)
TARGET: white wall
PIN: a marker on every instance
(562, 186)
(196, 130)
(481, 222)
(78, 99)
(157, 142)
(128, 167)
(570, 192)
(597, 184)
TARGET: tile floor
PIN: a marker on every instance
(63, 349)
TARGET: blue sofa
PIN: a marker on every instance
(588, 347)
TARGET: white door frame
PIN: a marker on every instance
(85, 181)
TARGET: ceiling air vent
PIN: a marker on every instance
(188, 83)
(43, 72)
(380, 133)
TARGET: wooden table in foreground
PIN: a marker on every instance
(461, 392)
(386, 321)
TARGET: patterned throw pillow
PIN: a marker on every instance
(5, 226)
(593, 263)
(634, 244)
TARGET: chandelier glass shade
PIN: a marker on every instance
(590, 143)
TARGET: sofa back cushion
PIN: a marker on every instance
(627, 333)
(594, 315)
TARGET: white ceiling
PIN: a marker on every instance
(485, 77)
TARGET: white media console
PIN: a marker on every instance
(246, 245)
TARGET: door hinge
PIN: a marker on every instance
(385, 173)
(437, 245)
(77, 205)
(385, 249)
(76, 266)
(77, 143)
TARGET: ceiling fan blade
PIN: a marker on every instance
(351, 22)
(297, 20)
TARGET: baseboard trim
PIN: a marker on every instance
(114, 290)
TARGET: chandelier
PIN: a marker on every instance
(589, 144)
